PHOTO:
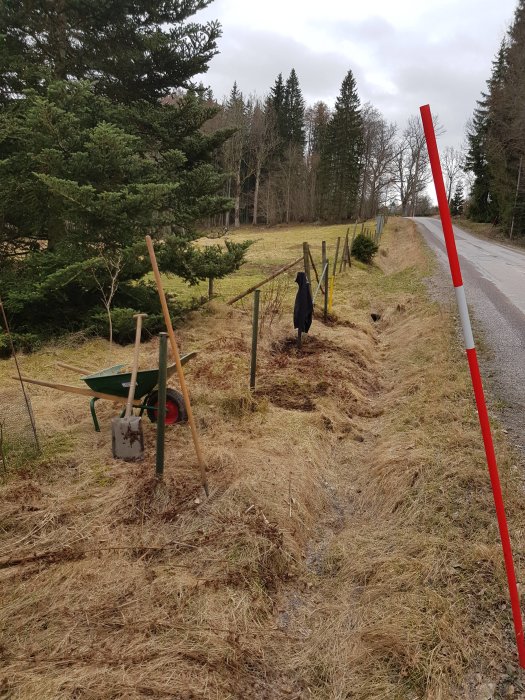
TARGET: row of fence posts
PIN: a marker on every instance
(325, 284)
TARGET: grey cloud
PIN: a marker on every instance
(444, 62)
(370, 29)
(254, 59)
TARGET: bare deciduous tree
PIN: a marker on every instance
(379, 153)
(111, 267)
(452, 164)
(263, 139)
(411, 166)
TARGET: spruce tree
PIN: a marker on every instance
(341, 155)
(131, 49)
(506, 142)
(277, 101)
(87, 168)
(294, 112)
(458, 200)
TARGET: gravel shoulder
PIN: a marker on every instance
(499, 332)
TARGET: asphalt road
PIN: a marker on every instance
(494, 279)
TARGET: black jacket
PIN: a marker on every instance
(304, 307)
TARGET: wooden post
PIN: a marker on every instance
(180, 371)
(255, 334)
(312, 261)
(306, 259)
(210, 288)
(161, 410)
(336, 255)
(345, 260)
(323, 248)
(326, 277)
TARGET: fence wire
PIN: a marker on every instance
(18, 436)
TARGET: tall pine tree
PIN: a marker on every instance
(341, 155)
(294, 107)
(87, 168)
(131, 49)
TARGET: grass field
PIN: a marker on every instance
(349, 546)
(271, 249)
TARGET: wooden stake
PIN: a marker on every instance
(337, 254)
(255, 334)
(176, 355)
(326, 277)
(161, 406)
(344, 256)
(306, 260)
(345, 260)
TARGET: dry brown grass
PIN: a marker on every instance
(348, 549)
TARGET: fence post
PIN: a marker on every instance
(210, 288)
(161, 405)
(337, 255)
(255, 333)
(326, 277)
(323, 247)
(306, 256)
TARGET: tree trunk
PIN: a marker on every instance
(59, 36)
(227, 214)
(238, 198)
(268, 217)
(256, 193)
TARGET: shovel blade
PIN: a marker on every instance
(127, 438)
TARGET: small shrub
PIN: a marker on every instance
(364, 249)
(23, 342)
(124, 324)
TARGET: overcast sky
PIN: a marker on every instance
(403, 54)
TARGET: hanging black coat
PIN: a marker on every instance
(304, 307)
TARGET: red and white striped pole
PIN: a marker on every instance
(457, 281)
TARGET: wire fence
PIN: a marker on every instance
(18, 436)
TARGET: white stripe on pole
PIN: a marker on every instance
(464, 317)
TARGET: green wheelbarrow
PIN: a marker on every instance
(112, 384)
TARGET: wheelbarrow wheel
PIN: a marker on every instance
(175, 409)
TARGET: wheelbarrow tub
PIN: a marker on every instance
(113, 381)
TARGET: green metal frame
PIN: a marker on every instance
(111, 381)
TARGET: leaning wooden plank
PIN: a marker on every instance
(268, 279)
(75, 369)
(79, 390)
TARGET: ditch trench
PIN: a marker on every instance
(301, 601)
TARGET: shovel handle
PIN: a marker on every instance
(135, 368)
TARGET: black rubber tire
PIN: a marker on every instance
(173, 397)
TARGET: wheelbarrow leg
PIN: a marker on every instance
(94, 413)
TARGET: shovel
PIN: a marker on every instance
(127, 437)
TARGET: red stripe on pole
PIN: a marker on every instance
(441, 194)
(477, 385)
(498, 501)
